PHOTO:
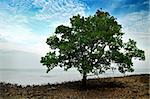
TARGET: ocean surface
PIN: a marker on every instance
(39, 76)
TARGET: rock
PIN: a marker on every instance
(52, 88)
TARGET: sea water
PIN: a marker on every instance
(58, 75)
(37, 76)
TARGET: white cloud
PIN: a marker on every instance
(18, 6)
(14, 34)
(11, 59)
(134, 5)
(143, 66)
(12, 28)
(136, 26)
(136, 21)
(59, 10)
(39, 48)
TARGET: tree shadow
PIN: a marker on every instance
(103, 85)
(93, 85)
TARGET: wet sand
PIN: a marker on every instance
(127, 87)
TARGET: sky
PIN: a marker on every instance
(25, 25)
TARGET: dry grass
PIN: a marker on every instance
(129, 87)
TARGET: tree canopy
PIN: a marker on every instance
(91, 44)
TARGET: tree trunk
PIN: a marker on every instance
(84, 80)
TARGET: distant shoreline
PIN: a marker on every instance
(58, 75)
(29, 77)
(131, 86)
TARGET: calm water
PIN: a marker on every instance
(39, 76)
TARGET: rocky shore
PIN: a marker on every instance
(127, 87)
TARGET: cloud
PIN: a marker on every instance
(15, 34)
(17, 6)
(138, 4)
(122, 7)
(45, 9)
(19, 59)
(143, 66)
(136, 26)
(52, 12)
(60, 9)
(13, 27)
(16, 29)
(136, 21)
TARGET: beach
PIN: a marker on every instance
(124, 87)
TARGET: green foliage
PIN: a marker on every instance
(91, 44)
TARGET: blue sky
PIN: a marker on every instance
(25, 24)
